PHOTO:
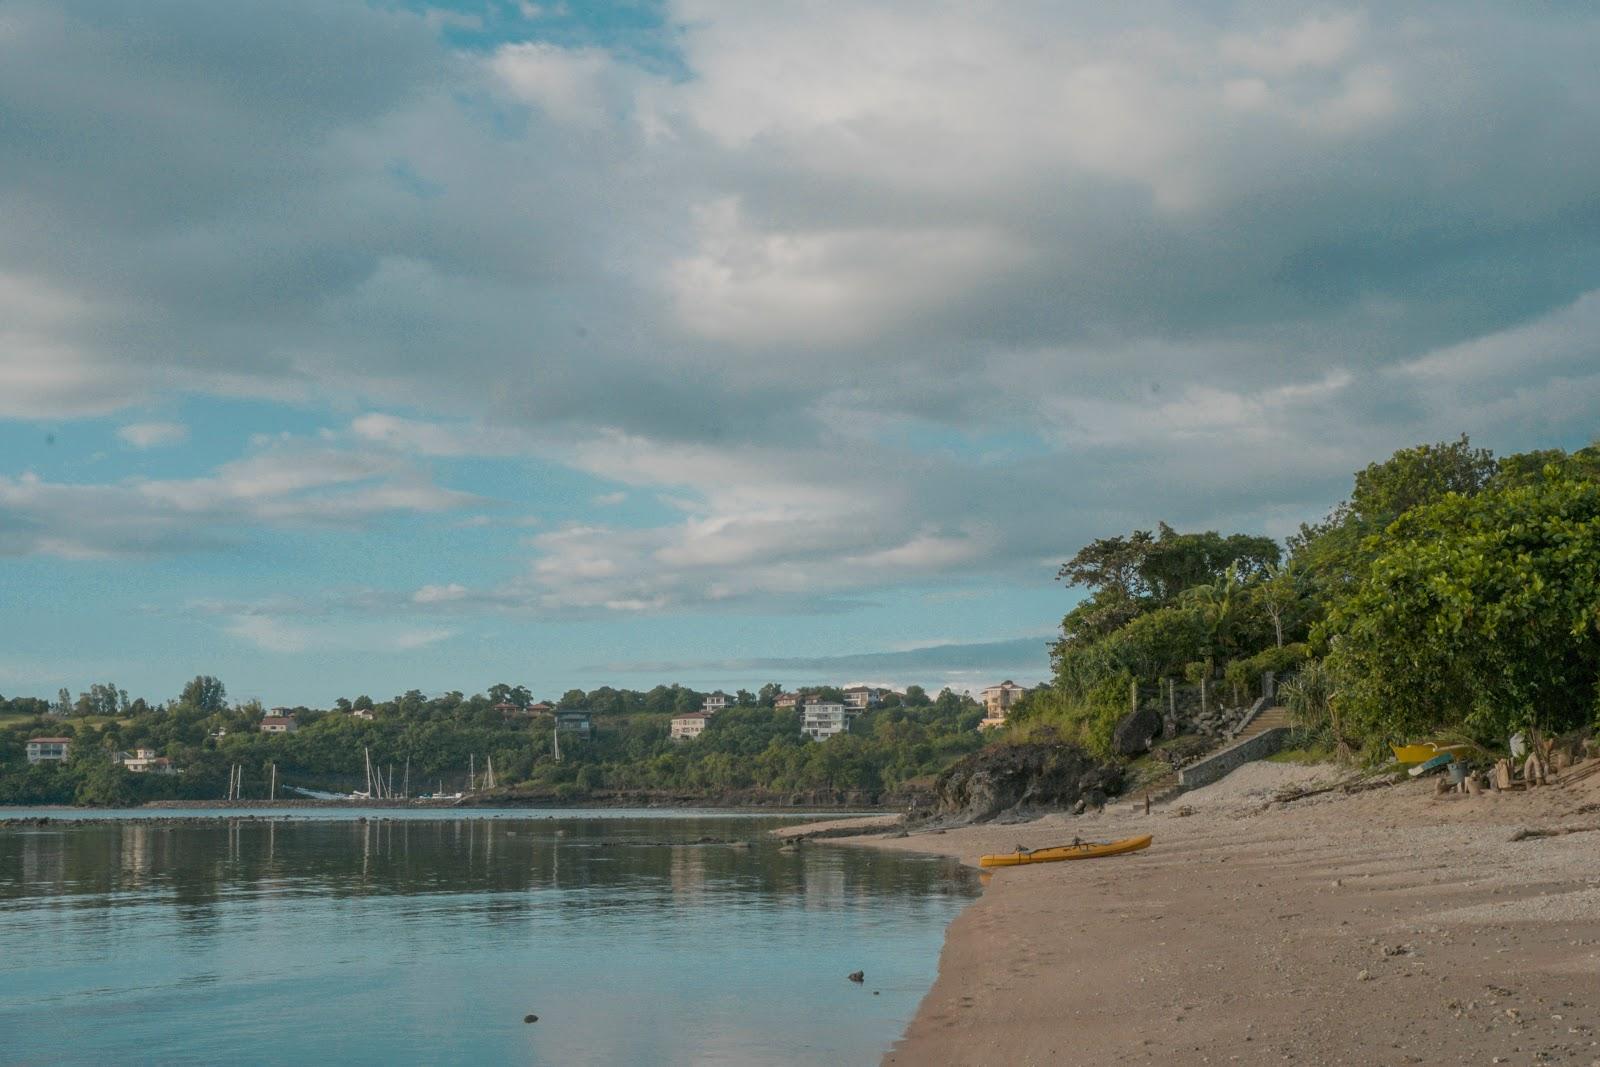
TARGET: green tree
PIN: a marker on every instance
(1479, 613)
(205, 693)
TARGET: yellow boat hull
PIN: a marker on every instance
(1087, 851)
(1425, 751)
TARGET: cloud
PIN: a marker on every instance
(269, 633)
(286, 482)
(872, 294)
(154, 434)
(946, 660)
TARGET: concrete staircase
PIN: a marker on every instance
(1269, 719)
(1168, 785)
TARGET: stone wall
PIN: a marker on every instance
(1230, 759)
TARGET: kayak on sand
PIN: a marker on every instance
(1083, 851)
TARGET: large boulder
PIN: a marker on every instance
(1136, 731)
(1034, 775)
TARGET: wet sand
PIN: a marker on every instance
(1393, 926)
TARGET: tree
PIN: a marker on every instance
(916, 697)
(767, 695)
(1277, 594)
(1419, 475)
(1479, 613)
(204, 693)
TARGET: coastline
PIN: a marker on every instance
(1391, 926)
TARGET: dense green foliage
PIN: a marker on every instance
(750, 746)
(1481, 612)
(1451, 592)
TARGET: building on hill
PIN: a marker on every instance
(510, 710)
(784, 701)
(49, 749)
(541, 708)
(578, 722)
(715, 702)
(997, 702)
(278, 724)
(363, 713)
(145, 761)
(689, 725)
(821, 720)
(862, 697)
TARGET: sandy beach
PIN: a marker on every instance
(1395, 926)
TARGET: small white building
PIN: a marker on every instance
(278, 724)
(862, 697)
(689, 725)
(362, 713)
(821, 721)
(145, 761)
(786, 700)
(715, 703)
(49, 749)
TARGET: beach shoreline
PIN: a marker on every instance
(1396, 925)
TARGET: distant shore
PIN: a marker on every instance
(744, 800)
(1391, 926)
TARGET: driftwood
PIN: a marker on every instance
(1555, 831)
(1578, 775)
(1350, 786)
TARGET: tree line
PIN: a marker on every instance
(1452, 592)
(433, 741)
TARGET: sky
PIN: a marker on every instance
(354, 348)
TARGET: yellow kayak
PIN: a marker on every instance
(1086, 851)
(1422, 753)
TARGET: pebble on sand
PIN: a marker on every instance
(530, 1018)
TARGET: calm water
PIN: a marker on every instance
(421, 939)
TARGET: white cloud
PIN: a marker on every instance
(154, 434)
(288, 483)
(1197, 267)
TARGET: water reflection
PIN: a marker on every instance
(391, 937)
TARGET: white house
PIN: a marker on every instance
(278, 724)
(715, 703)
(689, 725)
(48, 749)
(862, 697)
(145, 761)
(997, 702)
(786, 700)
(822, 721)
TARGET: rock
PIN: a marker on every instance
(1136, 731)
(1039, 774)
(530, 1018)
(857, 976)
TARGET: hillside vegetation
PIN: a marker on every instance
(1451, 593)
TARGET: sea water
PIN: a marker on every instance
(423, 937)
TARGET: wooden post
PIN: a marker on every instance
(1502, 775)
(1133, 695)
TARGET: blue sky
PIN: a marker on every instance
(364, 347)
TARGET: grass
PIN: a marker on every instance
(1304, 755)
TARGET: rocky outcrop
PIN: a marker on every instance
(1006, 777)
(1134, 734)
